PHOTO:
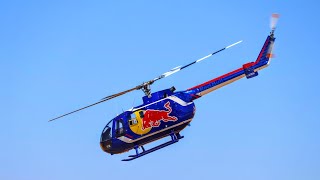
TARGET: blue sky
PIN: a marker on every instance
(57, 56)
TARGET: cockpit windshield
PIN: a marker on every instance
(106, 133)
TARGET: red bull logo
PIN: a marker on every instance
(153, 118)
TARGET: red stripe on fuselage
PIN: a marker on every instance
(237, 70)
(215, 79)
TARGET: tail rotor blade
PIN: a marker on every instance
(274, 20)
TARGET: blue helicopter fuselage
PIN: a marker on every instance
(161, 113)
(167, 112)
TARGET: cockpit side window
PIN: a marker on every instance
(133, 122)
(119, 129)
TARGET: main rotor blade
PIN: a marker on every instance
(176, 69)
(145, 85)
(102, 100)
(120, 93)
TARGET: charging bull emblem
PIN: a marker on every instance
(153, 118)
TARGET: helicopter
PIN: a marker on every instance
(166, 113)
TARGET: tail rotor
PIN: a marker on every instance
(273, 22)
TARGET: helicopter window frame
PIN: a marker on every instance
(109, 122)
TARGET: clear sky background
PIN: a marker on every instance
(56, 56)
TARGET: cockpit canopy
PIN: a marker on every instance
(106, 133)
(115, 127)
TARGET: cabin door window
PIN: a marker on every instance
(119, 128)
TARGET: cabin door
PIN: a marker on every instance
(119, 129)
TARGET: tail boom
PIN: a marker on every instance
(248, 70)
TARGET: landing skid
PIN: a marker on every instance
(174, 138)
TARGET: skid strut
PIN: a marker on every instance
(174, 138)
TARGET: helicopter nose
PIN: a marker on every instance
(106, 146)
